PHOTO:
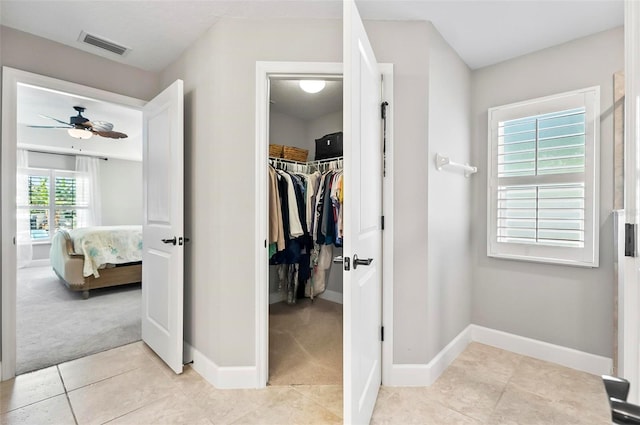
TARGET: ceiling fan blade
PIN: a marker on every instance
(57, 120)
(110, 134)
(99, 125)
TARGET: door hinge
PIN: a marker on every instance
(14, 240)
(630, 239)
(382, 333)
(382, 222)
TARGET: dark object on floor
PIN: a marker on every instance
(622, 412)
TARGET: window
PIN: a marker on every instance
(543, 179)
(52, 202)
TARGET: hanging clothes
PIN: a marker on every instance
(305, 212)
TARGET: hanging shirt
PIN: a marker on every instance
(295, 227)
(276, 229)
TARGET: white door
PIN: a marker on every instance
(362, 221)
(163, 223)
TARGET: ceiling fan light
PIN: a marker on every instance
(312, 86)
(79, 133)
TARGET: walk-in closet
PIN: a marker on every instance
(305, 232)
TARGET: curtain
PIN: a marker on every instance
(24, 248)
(88, 198)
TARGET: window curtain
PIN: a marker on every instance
(24, 248)
(88, 197)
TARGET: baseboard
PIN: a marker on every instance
(421, 375)
(224, 377)
(44, 262)
(575, 359)
(332, 296)
(276, 297)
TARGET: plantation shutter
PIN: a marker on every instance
(543, 145)
(542, 182)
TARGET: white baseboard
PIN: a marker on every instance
(225, 377)
(44, 262)
(575, 359)
(332, 296)
(423, 375)
(426, 374)
(276, 297)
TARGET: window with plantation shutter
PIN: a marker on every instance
(543, 186)
(53, 202)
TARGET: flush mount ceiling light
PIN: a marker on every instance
(79, 133)
(312, 86)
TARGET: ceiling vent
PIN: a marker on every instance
(102, 43)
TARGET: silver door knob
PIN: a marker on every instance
(361, 262)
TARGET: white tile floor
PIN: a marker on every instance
(130, 385)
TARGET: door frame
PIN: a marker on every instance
(264, 71)
(11, 77)
(629, 292)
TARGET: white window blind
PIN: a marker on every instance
(542, 180)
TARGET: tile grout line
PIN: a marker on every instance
(66, 394)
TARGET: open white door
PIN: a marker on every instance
(362, 282)
(163, 223)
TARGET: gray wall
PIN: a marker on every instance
(449, 197)
(219, 75)
(568, 306)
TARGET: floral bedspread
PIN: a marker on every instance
(105, 245)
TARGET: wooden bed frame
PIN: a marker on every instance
(69, 268)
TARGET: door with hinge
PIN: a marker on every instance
(163, 224)
(362, 221)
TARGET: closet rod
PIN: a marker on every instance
(316, 162)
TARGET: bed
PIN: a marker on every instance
(97, 257)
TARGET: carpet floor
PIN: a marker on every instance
(55, 325)
(305, 343)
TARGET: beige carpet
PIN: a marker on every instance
(305, 343)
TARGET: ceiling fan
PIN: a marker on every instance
(80, 127)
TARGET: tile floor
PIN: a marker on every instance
(130, 385)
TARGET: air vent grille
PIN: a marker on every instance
(103, 44)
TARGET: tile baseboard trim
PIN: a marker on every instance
(224, 377)
(332, 296)
(423, 375)
(569, 357)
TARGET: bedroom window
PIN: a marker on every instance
(543, 179)
(53, 202)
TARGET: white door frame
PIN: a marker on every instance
(10, 79)
(629, 295)
(265, 71)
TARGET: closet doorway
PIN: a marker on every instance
(305, 230)
(354, 381)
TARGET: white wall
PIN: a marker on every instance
(121, 191)
(449, 197)
(567, 306)
(219, 75)
(287, 130)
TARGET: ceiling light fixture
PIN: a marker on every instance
(79, 133)
(312, 86)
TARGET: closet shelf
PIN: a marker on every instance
(444, 161)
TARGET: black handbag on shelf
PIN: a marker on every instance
(329, 146)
